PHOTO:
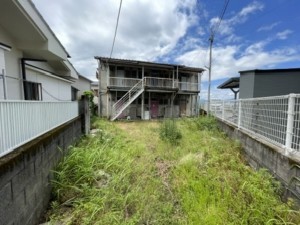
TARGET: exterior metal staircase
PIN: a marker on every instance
(127, 99)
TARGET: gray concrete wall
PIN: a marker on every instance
(261, 154)
(25, 175)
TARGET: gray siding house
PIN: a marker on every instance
(144, 90)
(271, 82)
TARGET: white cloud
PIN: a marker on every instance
(147, 29)
(228, 60)
(268, 27)
(251, 8)
(228, 25)
(284, 34)
(152, 30)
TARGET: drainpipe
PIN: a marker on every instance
(177, 74)
(174, 95)
(173, 78)
(143, 96)
(4, 84)
(23, 71)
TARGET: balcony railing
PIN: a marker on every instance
(154, 82)
(187, 86)
(123, 82)
(160, 82)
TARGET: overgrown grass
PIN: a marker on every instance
(169, 131)
(127, 174)
(110, 179)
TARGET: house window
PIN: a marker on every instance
(74, 92)
(33, 90)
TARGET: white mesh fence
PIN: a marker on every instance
(296, 125)
(275, 119)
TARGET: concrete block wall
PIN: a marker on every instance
(261, 154)
(25, 175)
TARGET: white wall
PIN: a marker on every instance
(53, 43)
(12, 68)
(53, 89)
(82, 85)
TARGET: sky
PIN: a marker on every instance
(253, 34)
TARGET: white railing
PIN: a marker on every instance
(275, 119)
(127, 99)
(187, 86)
(123, 82)
(23, 121)
(154, 82)
(160, 82)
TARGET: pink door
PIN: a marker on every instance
(154, 109)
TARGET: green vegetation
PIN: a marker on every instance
(169, 132)
(90, 96)
(127, 174)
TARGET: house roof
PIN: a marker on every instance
(85, 78)
(145, 63)
(50, 30)
(233, 82)
(271, 70)
(33, 36)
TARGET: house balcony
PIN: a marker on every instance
(188, 86)
(153, 83)
(160, 83)
(120, 82)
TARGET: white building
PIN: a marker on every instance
(33, 63)
(81, 85)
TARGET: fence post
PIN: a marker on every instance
(290, 123)
(223, 110)
(239, 113)
(86, 115)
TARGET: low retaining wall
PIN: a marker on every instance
(261, 154)
(25, 174)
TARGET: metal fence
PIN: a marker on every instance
(274, 119)
(22, 121)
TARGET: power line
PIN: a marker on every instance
(211, 40)
(113, 44)
(213, 32)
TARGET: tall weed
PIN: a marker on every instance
(207, 123)
(169, 131)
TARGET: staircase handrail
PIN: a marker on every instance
(120, 105)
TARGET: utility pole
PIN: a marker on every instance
(211, 40)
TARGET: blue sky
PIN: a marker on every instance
(252, 35)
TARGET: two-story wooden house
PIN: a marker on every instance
(138, 89)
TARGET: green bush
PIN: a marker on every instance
(90, 96)
(207, 123)
(170, 132)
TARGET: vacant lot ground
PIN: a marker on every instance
(127, 174)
